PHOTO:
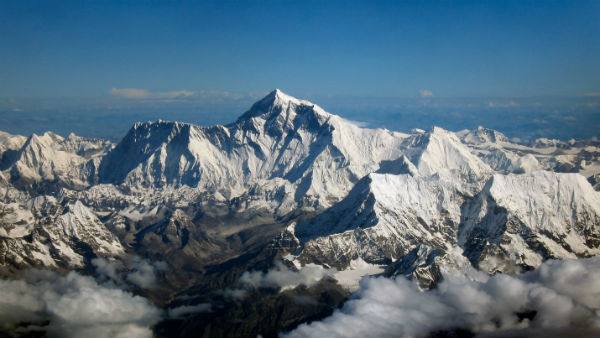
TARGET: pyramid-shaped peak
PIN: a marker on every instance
(46, 138)
(281, 96)
(278, 102)
(278, 97)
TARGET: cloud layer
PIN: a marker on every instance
(279, 277)
(81, 306)
(138, 271)
(559, 294)
(73, 306)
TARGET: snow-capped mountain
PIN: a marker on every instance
(309, 155)
(383, 218)
(439, 152)
(317, 187)
(543, 154)
(50, 161)
(517, 221)
(511, 225)
(41, 232)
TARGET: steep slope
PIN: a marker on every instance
(50, 161)
(490, 146)
(519, 220)
(440, 152)
(43, 233)
(424, 224)
(280, 138)
(382, 219)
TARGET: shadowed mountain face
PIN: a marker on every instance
(257, 226)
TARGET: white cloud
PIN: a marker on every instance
(130, 93)
(143, 273)
(73, 306)
(136, 271)
(216, 94)
(559, 294)
(507, 104)
(425, 93)
(177, 94)
(281, 276)
(136, 93)
(205, 96)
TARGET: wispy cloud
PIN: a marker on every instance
(204, 96)
(425, 93)
(280, 277)
(130, 93)
(137, 93)
(137, 271)
(184, 310)
(507, 104)
(175, 94)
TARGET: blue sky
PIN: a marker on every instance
(67, 53)
(361, 48)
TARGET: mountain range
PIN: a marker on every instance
(293, 184)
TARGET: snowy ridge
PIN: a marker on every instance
(17, 221)
(319, 154)
(43, 233)
(50, 158)
(424, 224)
(383, 218)
(520, 220)
(81, 223)
(323, 189)
(482, 135)
(440, 152)
(543, 154)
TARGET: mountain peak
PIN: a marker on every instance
(278, 98)
(278, 102)
(282, 97)
(483, 135)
